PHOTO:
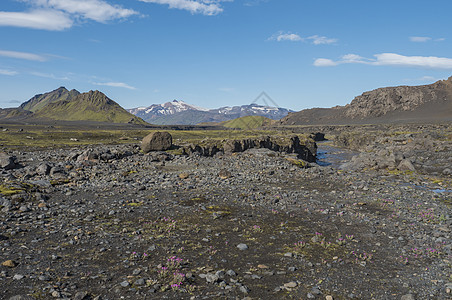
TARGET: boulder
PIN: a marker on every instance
(157, 141)
(406, 165)
(7, 162)
(318, 137)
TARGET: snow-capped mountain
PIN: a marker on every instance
(168, 108)
(180, 113)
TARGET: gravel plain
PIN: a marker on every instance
(109, 222)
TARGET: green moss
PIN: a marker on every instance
(59, 181)
(298, 162)
(248, 122)
(10, 190)
(91, 106)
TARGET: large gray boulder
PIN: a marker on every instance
(7, 162)
(157, 141)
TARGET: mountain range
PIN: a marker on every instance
(181, 113)
(401, 104)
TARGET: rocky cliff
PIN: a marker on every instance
(382, 101)
(426, 103)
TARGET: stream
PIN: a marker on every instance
(328, 155)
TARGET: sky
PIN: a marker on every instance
(215, 53)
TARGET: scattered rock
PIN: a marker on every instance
(157, 141)
(7, 162)
(9, 264)
(291, 284)
(242, 246)
(224, 174)
(406, 165)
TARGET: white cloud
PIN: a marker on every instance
(254, 2)
(205, 7)
(321, 40)
(390, 59)
(325, 62)
(424, 39)
(420, 39)
(282, 36)
(51, 76)
(351, 58)
(61, 14)
(8, 72)
(431, 62)
(22, 55)
(37, 19)
(97, 10)
(427, 78)
(115, 84)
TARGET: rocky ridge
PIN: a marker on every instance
(402, 104)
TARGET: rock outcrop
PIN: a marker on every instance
(306, 149)
(382, 101)
(157, 141)
(402, 104)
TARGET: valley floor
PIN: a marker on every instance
(108, 222)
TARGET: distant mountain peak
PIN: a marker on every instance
(64, 105)
(177, 112)
(41, 100)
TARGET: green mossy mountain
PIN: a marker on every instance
(90, 106)
(41, 100)
(247, 122)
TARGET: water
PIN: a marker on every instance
(328, 155)
(334, 157)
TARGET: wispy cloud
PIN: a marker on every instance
(420, 39)
(49, 75)
(59, 15)
(8, 72)
(321, 40)
(254, 2)
(282, 36)
(37, 19)
(424, 39)
(422, 79)
(115, 84)
(286, 36)
(22, 55)
(389, 59)
(205, 7)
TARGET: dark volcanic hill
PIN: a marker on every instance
(91, 106)
(426, 103)
(41, 100)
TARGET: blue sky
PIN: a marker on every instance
(214, 53)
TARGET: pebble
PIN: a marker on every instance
(244, 289)
(9, 263)
(124, 283)
(291, 284)
(242, 246)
